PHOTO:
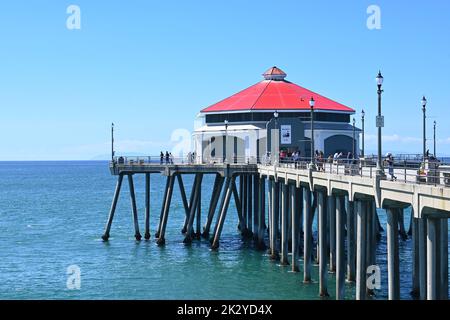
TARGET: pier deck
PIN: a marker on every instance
(224, 170)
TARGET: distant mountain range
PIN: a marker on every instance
(126, 154)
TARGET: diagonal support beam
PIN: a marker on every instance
(218, 184)
(163, 223)
(105, 236)
(193, 207)
(223, 211)
(162, 207)
(137, 234)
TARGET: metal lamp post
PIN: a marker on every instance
(424, 109)
(312, 103)
(354, 140)
(434, 139)
(363, 114)
(226, 138)
(277, 152)
(112, 142)
(380, 124)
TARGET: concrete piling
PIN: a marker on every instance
(238, 204)
(443, 260)
(415, 292)
(213, 204)
(340, 250)
(166, 188)
(223, 211)
(295, 216)
(147, 206)
(244, 203)
(249, 206)
(284, 223)
(105, 236)
(137, 234)
(270, 213)
(422, 227)
(369, 234)
(432, 261)
(184, 200)
(275, 218)
(361, 211)
(307, 236)
(196, 189)
(331, 206)
(401, 222)
(199, 214)
(351, 242)
(322, 215)
(256, 203)
(163, 223)
(393, 215)
(262, 213)
(374, 235)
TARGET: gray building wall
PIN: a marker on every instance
(339, 143)
(297, 134)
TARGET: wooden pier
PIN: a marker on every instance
(276, 206)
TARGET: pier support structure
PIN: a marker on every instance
(340, 248)
(284, 223)
(393, 215)
(361, 211)
(261, 214)
(105, 236)
(147, 206)
(331, 206)
(137, 234)
(228, 190)
(295, 223)
(168, 199)
(351, 242)
(307, 235)
(323, 259)
(274, 225)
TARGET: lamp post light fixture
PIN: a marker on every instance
(354, 140)
(363, 114)
(277, 136)
(312, 103)
(424, 110)
(226, 138)
(380, 120)
(434, 139)
(112, 143)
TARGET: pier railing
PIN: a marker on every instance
(407, 169)
(185, 160)
(418, 172)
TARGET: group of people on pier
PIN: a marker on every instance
(168, 157)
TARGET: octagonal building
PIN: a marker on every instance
(273, 117)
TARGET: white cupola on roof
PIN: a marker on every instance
(274, 73)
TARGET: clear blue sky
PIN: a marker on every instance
(150, 66)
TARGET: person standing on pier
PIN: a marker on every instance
(390, 162)
(161, 160)
(167, 157)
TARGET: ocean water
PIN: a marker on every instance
(52, 216)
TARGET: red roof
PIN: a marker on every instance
(276, 95)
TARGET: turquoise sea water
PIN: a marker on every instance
(52, 215)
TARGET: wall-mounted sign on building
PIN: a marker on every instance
(286, 134)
